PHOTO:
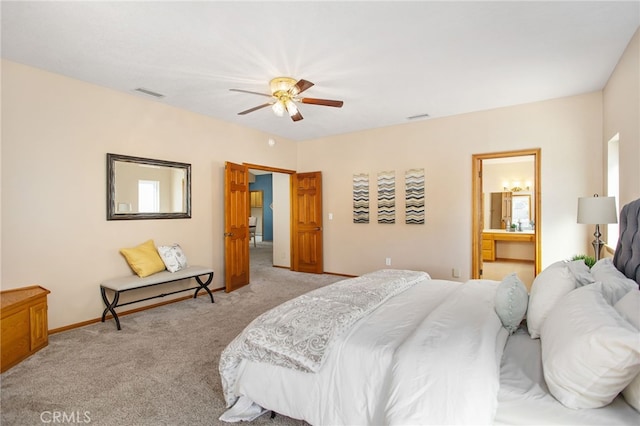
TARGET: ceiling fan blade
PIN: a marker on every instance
(297, 116)
(248, 91)
(255, 108)
(325, 102)
(301, 86)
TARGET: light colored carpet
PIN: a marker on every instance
(160, 369)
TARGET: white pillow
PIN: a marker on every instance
(173, 257)
(511, 302)
(632, 393)
(549, 286)
(629, 308)
(614, 283)
(589, 352)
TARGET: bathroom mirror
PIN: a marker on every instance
(144, 188)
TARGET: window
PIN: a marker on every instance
(148, 196)
(613, 185)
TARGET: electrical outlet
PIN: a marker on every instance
(388, 261)
(455, 272)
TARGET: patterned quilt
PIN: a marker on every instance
(298, 333)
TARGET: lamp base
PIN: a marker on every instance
(597, 243)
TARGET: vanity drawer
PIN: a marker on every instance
(488, 248)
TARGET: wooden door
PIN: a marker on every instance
(236, 226)
(306, 217)
(506, 209)
(477, 206)
(497, 216)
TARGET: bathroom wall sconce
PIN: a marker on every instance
(514, 186)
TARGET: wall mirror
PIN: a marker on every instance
(509, 207)
(144, 188)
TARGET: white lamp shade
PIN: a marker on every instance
(291, 107)
(597, 210)
(278, 108)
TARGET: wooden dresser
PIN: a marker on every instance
(23, 313)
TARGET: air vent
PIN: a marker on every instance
(415, 117)
(149, 92)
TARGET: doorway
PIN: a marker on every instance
(304, 224)
(506, 214)
(272, 207)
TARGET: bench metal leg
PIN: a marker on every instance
(110, 306)
(204, 286)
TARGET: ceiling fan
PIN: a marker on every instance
(285, 92)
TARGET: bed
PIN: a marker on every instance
(398, 347)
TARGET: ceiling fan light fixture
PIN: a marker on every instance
(292, 109)
(278, 108)
(281, 84)
(285, 92)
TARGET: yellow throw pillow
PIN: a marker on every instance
(144, 259)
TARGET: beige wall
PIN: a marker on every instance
(281, 219)
(55, 135)
(621, 100)
(56, 132)
(568, 130)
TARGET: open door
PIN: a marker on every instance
(306, 222)
(236, 226)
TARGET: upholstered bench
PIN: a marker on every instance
(134, 282)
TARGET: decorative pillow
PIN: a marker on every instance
(581, 272)
(511, 302)
(629, 308)
(589, 352)
(143, 259)
(549, 286)
(614, 284)
(173, 257)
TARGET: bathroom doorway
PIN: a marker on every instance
(506, 214)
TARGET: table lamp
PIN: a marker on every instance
(594, 211)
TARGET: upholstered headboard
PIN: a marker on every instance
(627, 255)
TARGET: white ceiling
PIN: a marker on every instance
(386, 60)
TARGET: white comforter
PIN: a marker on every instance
(429, 355)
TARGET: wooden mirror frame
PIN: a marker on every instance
(111, 188)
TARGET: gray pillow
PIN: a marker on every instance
(614, 284)
(511, 302)
(580, 272)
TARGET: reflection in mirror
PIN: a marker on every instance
(144, 188)
(521, 210)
